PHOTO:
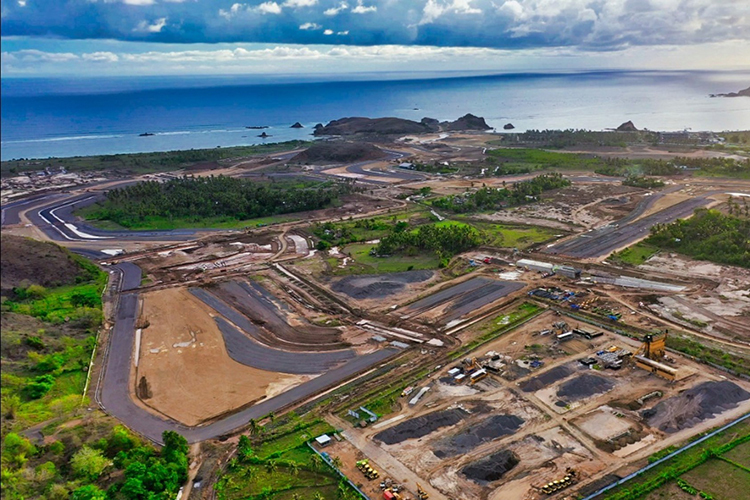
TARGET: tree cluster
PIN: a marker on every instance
(708, 235)
(445, 241)
(197, 198)
(116, 467)
(488, 198)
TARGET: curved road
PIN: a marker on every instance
(115, 396)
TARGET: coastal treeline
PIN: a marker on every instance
(198, 198)
(728, 167)
(708, 235)
(488, 198)
(445, 241)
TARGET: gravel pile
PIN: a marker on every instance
(584, 386)
(695, 405)
(546, 378)
(491, 468)
(420, 426)
(378, 286)
(491, 428)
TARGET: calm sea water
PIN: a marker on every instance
(42, 118)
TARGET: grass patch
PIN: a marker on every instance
(512, 236)
(708, 354)
(635, 255)
(364, 263)
(541, 159)
(498, 326)
(165, 223)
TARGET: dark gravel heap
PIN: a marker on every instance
(491, 428)
(378, 286)
(491, 468)
(546, 378)
(584, 386)
(420, 426)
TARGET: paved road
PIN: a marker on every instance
(607, 239)
(57, 221)
(115, 391)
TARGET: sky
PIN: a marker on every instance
(199, 37)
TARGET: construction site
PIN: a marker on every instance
(532, 366)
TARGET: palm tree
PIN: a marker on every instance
(336, 462)
(296, 496)
(294, 468)
(272, 466)
(318, 496)
(316, 462)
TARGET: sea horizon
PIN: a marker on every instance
(63, 117)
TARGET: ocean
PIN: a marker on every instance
(73, 117)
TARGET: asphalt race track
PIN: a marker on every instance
(115, 390)
(607, 239)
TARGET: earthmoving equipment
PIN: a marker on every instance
(421, 493)
(407, 391)
(560, 484)
(477, 376)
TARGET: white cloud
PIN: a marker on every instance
(22, 3)
(342, 32)
(38, 56)
(155, 27)
(295, 4)
(361, 9)
(233, 10)
(433, 9)
(335, 10)
(138, 2)
(310, 26)
(269, 8)
(328, 32)
(100, 57)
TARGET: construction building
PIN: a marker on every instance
(651, 353)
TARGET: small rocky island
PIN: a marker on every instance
(741, 93)
(399, 126)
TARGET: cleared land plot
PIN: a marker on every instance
(249, 352)
(198, 381)
(723, 481)
(461, 299)
(603, 425)
(491, 468)
(491, 428)
(378, 286)
(695, 405)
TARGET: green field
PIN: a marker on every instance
(364, 263)
(733, 479)
(635, 255)
(538, 159)
(275, 463)
(697, 466)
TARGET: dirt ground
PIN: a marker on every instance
(189, 374)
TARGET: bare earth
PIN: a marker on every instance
(190, 375)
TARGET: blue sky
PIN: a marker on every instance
(125, 37)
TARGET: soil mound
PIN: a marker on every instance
(378, 286)
(584, 386)
(491, 468)
(695, 405)
(25, 262)
(545, 379)
(492, 428)
(339, 152)
(420, 426)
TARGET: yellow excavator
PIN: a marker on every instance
(421, 493)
